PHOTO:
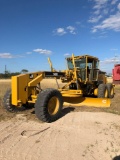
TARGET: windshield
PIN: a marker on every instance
(70, 65)
(81, 63)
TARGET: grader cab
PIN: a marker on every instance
(82, 84)
(87, 74)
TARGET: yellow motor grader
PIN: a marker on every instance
(82, 84)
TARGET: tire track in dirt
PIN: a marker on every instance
(36, 140)
(78, 135)
(11, 139)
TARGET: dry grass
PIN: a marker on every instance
(4, 86)
(114, 108)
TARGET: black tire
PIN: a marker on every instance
(102, 91)
(110, 89)
(49, 105)
(7, 103)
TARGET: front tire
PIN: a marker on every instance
(49, 105)
(102, 91)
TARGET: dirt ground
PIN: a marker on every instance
(82, 133)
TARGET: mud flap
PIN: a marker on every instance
(86, 101)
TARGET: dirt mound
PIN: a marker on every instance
(78, 135)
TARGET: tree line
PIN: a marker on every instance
(8, 74)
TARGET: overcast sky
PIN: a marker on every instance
(32, 30)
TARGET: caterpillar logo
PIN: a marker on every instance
(104, 101)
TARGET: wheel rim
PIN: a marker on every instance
(106, 93)
(112, 91)
(53, 105)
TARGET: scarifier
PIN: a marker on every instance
(82, 84)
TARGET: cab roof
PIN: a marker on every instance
(83, 56)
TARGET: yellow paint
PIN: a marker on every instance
(23, 85)
(53, 105)
(14, 90)
(71, 93)
(35, 80)
(96, 91)
(85, 101)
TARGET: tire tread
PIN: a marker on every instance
(41, 105)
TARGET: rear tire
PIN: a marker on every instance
(49, 105)
(110, 89)
(102, 91)
(7, 103)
